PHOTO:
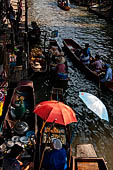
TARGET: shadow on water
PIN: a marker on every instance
(83, 27)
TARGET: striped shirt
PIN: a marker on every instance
(85, 59)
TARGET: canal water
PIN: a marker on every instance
(84, 27)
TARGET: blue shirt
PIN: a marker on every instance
(88, 51)
(108, 75)
(55, 160)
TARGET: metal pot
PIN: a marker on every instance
(21, 127)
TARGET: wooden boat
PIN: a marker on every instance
(63, 6)
(71, 47)
(87, 159)
(57, 94)
(89, 164)
(52, 65)
(22, 126)
(49, 131)
(38, 61)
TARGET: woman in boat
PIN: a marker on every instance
(108, 74)
(11, 160)
(97, 64)
(61, 68)
(56, 159)
(85, 58)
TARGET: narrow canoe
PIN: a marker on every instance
(70, 46)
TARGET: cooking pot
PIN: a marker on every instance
(21, 127)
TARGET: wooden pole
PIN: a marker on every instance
(26, 16)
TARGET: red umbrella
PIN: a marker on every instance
(59, 112)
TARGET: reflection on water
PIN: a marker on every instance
(83, 27)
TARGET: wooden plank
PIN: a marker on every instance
(87, 166)
(85, 150)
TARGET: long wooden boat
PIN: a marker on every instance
(21, 128)
(70, 46)
(86, 159)
(62, 6)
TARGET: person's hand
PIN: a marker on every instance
(27, 167)
(21, 163)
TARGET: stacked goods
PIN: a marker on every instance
(36, 52)
(54, 130)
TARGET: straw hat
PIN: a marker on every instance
(57, 144)
(60, 60)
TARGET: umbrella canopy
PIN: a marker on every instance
(55, 111)
(94, 104)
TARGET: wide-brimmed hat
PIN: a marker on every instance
(57, 144)
(60, 60)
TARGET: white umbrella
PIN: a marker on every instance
(94, 104)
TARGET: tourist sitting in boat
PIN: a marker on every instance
(108, 73)
(84, 57)
(61, 68)
(97, 64)
(55, 159)
(11, 160)
(87, 48)
(66, 3)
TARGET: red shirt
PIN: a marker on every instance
(60, 68)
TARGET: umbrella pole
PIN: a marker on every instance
(46, 142)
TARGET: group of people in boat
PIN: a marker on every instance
(58, 59)
(95, 64)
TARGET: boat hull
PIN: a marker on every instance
(70, 46)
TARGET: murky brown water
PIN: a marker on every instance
(83, 27)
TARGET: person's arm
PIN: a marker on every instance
(105, 78)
